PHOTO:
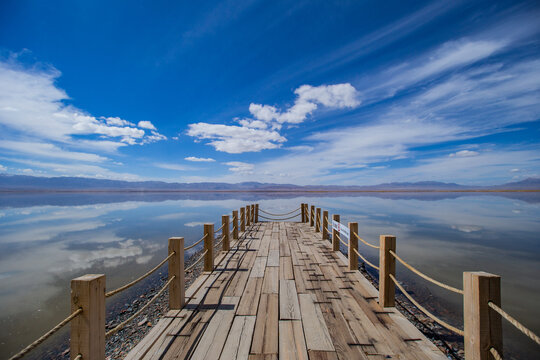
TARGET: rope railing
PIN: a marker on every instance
(188, 269)
(365, 242)
(514, 322)
(48, 334)
(125, 322)
(341, 241)
(365, 260)
(424, 276)
(424, 310)
(290, 212)
(144, 276)
(222, 226)
(220, 241)
(194, 244)
(495, 353)
(290, 217)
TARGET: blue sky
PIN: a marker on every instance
(304, 92)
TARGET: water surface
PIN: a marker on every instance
(46, 239)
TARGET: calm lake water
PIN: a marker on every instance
(48, 239)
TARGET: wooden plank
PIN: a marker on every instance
(148, 341)
(263, 356)
(271, 281)
(322, 355)
(285, 268)
(291, 340)
(239, 281)
(299, 280)
(317, 336)
(239, 339)
(289, 308)
(214, 337)
(250, 299)
(273, 258)
(265, 337)
(258, 267)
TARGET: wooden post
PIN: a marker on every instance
(226, 245)
(248, 216)
(335, 240)
(318, 221)
(252, 213)
(325, 225)
(483, 328)
(209, 247)
(88, 329)
(256, 213)
(177, 297)
(312, 216)
(353, 245)
(387, 266)
(242, 219)
(235, 224)
(303, 209)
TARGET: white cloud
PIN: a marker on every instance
(116, 121)
(48, 150)
(193, 224)
(146, 125)
(464, 153)
(254, 135)
(3, 168)
(236, 139)
(176, 167)
(240, 167)
(39, 122)
(197, 159)
(308, 97)
(74, 169)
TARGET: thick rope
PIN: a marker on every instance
(128, 285)
(195, 244)
(365, 242)
(62, 323)
(122, 324)
(495, 353)
(215, 231)
(417, 272)
(425, 311)
(220, 241)
(266, 212)
(343, 242)
(290, 217)
(196, 261)
(365, 260)
(514, 322)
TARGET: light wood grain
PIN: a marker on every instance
(292, 344)
(315, 329)
(289, 308)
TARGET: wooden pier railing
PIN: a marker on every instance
(481, 291)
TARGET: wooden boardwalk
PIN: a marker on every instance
(281, 292)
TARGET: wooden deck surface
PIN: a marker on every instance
(282, 293)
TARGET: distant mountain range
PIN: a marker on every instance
(24, 182)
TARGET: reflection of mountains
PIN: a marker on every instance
(25, 199)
